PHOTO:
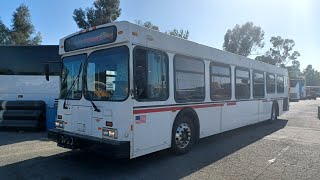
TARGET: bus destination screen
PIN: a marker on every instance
(92, 38)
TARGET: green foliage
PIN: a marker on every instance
(148, 24)
(280, 52)
(243, 40)
(23, 32)
(294, 70)
(4, 34)
(312, 76)
(280, 55)
(102, 12)
(184, 34)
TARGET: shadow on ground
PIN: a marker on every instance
(16, 135)
(160, 165)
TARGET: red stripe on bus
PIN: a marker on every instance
(142, 111)
(231, 104)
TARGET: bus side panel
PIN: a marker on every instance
(238, 114)
(280, 102)
(209, 120)
(152, 132)
(264, 110)
(29, 88)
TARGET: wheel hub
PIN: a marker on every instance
(183, 135)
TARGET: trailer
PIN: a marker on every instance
(297, 89)
(27, 98)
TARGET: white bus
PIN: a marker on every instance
(297, 89)
(24, 86)
(134, 91)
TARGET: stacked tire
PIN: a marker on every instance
(23, 114)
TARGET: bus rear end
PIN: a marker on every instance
(94, 110)
(294, 90)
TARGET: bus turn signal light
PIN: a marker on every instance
(59, 116)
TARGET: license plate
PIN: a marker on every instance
(66, 141)
(81, 127)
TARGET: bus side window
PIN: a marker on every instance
(220, 85)
(150, 75)
(242, 89)
(280, 84)
(271, 83)
(258, 84)
(189, 79)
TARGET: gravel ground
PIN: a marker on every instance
(286, 149)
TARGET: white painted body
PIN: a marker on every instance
(22, 73)
(156, 133)
(298, 91)
(28, 87)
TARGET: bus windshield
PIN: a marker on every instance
(107, 75)
(69, 74)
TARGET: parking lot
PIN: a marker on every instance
(286, 149)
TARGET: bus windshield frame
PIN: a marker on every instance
(106, 83)
(69, 74)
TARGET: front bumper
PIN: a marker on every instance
(118, 149)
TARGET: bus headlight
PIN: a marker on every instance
(109, 133)
(59, 124)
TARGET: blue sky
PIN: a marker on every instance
(207, 21)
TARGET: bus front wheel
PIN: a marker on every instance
(183, 135)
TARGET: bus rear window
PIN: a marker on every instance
(97, 37)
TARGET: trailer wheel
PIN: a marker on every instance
(183, 135)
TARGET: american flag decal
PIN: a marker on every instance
(141, 119)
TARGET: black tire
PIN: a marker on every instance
(274, 115)
(181, 123)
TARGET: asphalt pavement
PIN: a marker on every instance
(286, 149)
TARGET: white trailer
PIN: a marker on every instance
(297, 89)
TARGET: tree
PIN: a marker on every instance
(312, 76)
(23, 32)
(279, 54)
(294, 70)
(102, 12)
(184, 34)
(4, 34)
(148, 24)
(244, 40)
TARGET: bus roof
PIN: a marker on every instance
(139, 35)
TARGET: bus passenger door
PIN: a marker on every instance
(152, 127)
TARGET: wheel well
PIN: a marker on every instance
(275, 103)
(195, 119)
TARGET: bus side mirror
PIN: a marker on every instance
(47, 71)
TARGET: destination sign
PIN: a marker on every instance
(96, 37)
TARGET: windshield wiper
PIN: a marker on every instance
(71, 87)
(95, 107)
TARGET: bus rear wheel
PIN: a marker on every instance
(274, 115)
(183, 135)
